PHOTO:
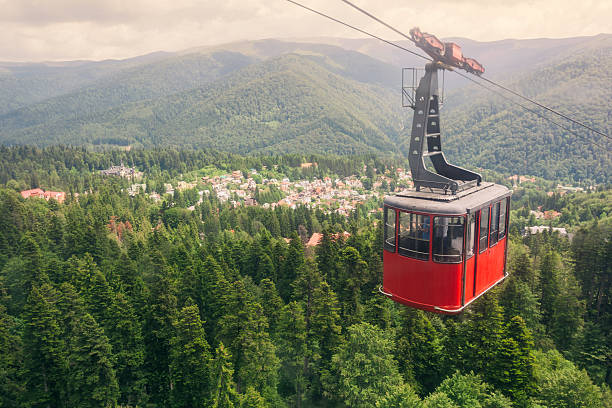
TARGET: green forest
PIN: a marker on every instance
(108, 300)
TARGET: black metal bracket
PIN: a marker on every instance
(426, 127)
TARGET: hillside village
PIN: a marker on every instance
(340, 195)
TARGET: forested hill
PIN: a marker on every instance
(289, 103)
(278, 96)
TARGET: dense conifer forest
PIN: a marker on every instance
(112, 300)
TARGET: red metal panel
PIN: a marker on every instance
(469, 278)
(482, 261)
(422, 284)
(453, 52)
(497, 260)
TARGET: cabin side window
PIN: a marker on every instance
(448, 239)
(484, 229)
(413, 235)
(471, 236)
(502, 218)
(494, 224)
(390, 216)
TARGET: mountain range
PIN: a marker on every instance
(323, 95)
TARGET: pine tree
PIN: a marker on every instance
(483, 338)
(465, 391)
(11, 353)
(363, 370)
(327, 257)
(292, 351)
(190, 361)
(293, 261)
(419, 351)
(517, 299)
(567, 316)
(353, 274)
(159, 330)
(258, 366)
(324, 322)
(33, 263)
(520, 265)
(45, 366)
(550, 270)
(217, 292)
(125, 334)
(99, 298)
(517, 374)
(131, 281)
(252, 399)
(265, 268)
(271, 302)
(223, 392)
(91, 377)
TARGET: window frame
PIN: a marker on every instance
(461, 252)
(405, 252)
(386, 245)
(503, 222)
(494, 233)
(482, 248)
(471, 236)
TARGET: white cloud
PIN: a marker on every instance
(97, 29)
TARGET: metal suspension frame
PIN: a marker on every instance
(426, 127)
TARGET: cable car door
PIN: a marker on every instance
(470, 256)
(482, 255)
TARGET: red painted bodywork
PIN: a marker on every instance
(473, 66)
(453, 54)
(428, 284)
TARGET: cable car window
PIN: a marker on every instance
(484, 229)
(494, 224)
(502, 218)
(471, 237)
(448, 239)
(413, 235)
(390, 229)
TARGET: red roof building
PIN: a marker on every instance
(59, 196)
(35, 192)
(316, 238)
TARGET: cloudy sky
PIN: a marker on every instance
(37, 30)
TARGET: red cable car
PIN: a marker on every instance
(445, 241)
(441, 252)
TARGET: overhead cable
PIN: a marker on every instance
(530, 110)
(359, 29)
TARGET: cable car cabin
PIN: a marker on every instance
(443, 251)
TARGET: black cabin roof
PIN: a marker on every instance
(448, 204)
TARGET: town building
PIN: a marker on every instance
(58, 196)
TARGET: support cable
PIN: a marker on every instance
(377, 19)
(530, 110)
(359, 29)
(547, 108)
